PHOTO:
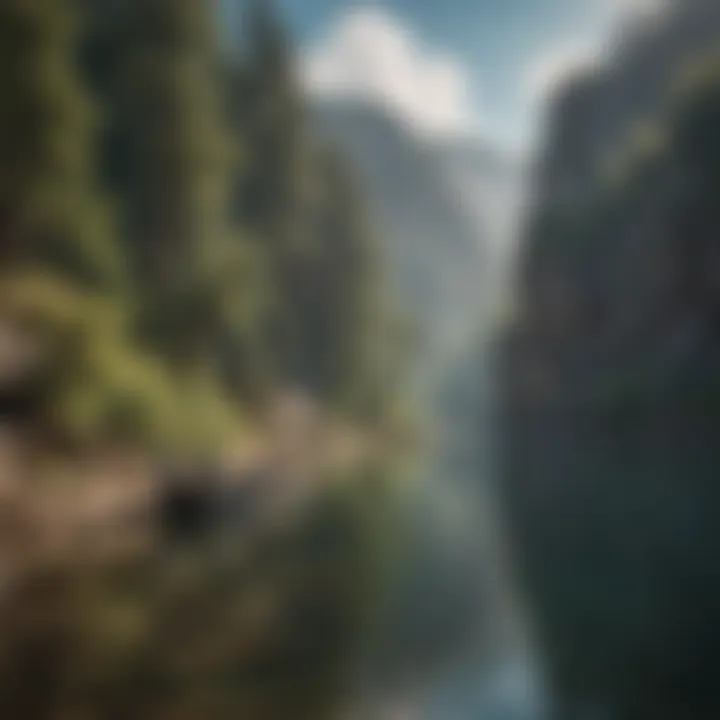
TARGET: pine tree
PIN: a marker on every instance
(50, 213)
(273, 183)
(342, 290)
(174, 158)
(306, 212)
(273, 123)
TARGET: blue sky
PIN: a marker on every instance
(502, 52)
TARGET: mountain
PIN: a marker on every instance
(434, 204)
(593, 115)
(609, 382)
(485, 180)
(444, 209)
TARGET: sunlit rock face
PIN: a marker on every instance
(610, 408)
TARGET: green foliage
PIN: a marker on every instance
(96, 383)
(232, 260)
(235, 258)
(50, 212)
(328, 327)
(167, 117)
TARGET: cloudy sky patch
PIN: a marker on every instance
(456, 66)
(372, 54)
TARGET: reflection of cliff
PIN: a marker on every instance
(611, 380)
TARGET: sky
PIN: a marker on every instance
(451, 67)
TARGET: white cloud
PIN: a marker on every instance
(372, 55)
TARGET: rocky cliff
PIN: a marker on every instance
(610, 378)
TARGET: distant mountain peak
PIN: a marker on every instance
(437, 203)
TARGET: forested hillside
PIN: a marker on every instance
(176, 245)
(185, 269)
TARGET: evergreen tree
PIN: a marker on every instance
(173, 158)
(325, 331)
(343, 291)
(50, 212)
(273, 183)
(271, 113)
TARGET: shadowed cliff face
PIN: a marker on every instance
(592, 115)
(610, 383)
